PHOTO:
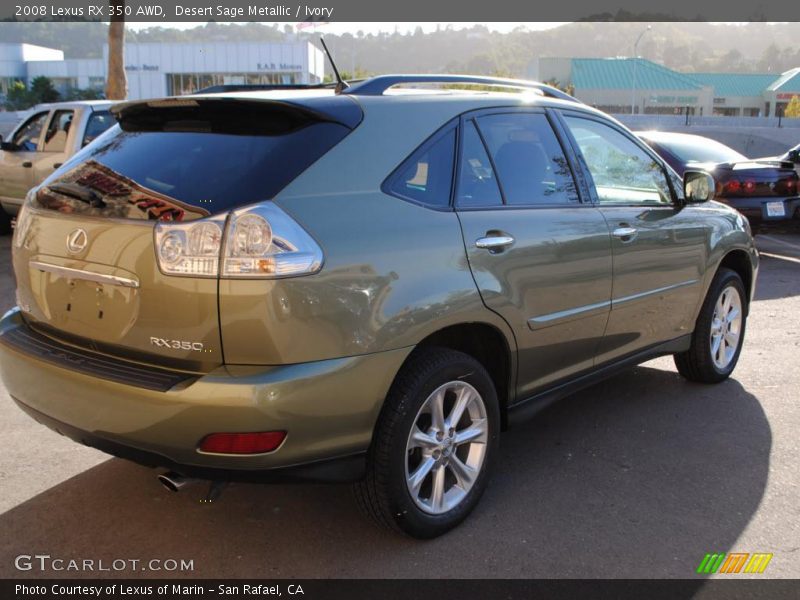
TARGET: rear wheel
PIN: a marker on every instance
(719, 332)
(434, 445)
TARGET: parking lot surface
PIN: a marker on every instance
(637, 477)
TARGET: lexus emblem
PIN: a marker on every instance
(76, 241)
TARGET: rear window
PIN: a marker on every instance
(99, 121)
(181, 164)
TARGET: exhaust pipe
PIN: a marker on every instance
(173, 481)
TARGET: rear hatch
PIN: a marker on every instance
(84, 251)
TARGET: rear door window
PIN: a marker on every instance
(527, 155)
(477, 184)
(57, 132)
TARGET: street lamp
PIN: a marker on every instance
(635, 47)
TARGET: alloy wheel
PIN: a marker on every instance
(446, 447)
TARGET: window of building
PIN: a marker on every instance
(179, 84)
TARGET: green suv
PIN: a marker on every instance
(365, 284)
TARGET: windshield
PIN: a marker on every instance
(700, 150)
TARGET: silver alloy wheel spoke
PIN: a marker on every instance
(437, 492)
(418, 477)
(421, 439)
(446, 447)
(726, 324)
(465, 475)
(472, 433)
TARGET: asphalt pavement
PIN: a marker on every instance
(637, 477)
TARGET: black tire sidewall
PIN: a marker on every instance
(408, 515)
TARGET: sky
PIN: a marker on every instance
(338, 28)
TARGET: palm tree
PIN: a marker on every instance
(116, 83)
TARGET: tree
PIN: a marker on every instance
(18, 97)
(42, 90)
(117, 82)
(793, 108)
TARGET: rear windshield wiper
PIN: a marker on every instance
(79, 192)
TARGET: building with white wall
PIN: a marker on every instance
(15, 58)
(165, 69)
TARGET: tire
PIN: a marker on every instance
(5, 222)
(385, 494)
(706, 361)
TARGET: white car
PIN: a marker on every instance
(42, 143)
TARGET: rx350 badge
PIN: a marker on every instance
(176, 344)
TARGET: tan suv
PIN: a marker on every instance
(362, 286)
(41, 143)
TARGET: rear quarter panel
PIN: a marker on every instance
(394, 272)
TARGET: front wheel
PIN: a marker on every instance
(433, 446)
(719, 332)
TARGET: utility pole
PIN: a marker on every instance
(635, 60)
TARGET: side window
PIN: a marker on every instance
(529, 160)
(98, 123)
(27, 136)
(623, 173)
(58, 130)
(427, 176)
(477, 185)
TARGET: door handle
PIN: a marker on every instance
(494, 243)
(626, 234)
(56, 165)
(27, 164)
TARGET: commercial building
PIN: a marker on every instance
(162, 69)
(617, 85)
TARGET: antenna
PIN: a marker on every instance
(341, 84)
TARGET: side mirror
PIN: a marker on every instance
(698, 186)
(794, 155)
(7, 146)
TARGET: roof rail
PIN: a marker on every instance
(376, 86)
(263, 87)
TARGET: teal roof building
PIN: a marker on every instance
(625, 85)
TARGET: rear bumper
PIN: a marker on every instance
(329, 409)
(755, 209)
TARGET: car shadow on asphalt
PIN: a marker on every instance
(639, 476)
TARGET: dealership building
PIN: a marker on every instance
(616, 84)
(165, 69)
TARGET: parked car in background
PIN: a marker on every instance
(764, 190)
(43, 142)
(792, 155)
(360, 286)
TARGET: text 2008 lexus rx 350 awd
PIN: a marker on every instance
(360, 286)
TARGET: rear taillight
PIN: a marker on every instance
(261, 241)
(191, 248)
(733, 186)
(749, 186)
(242, 443)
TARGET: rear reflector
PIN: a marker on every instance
(242, 443)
